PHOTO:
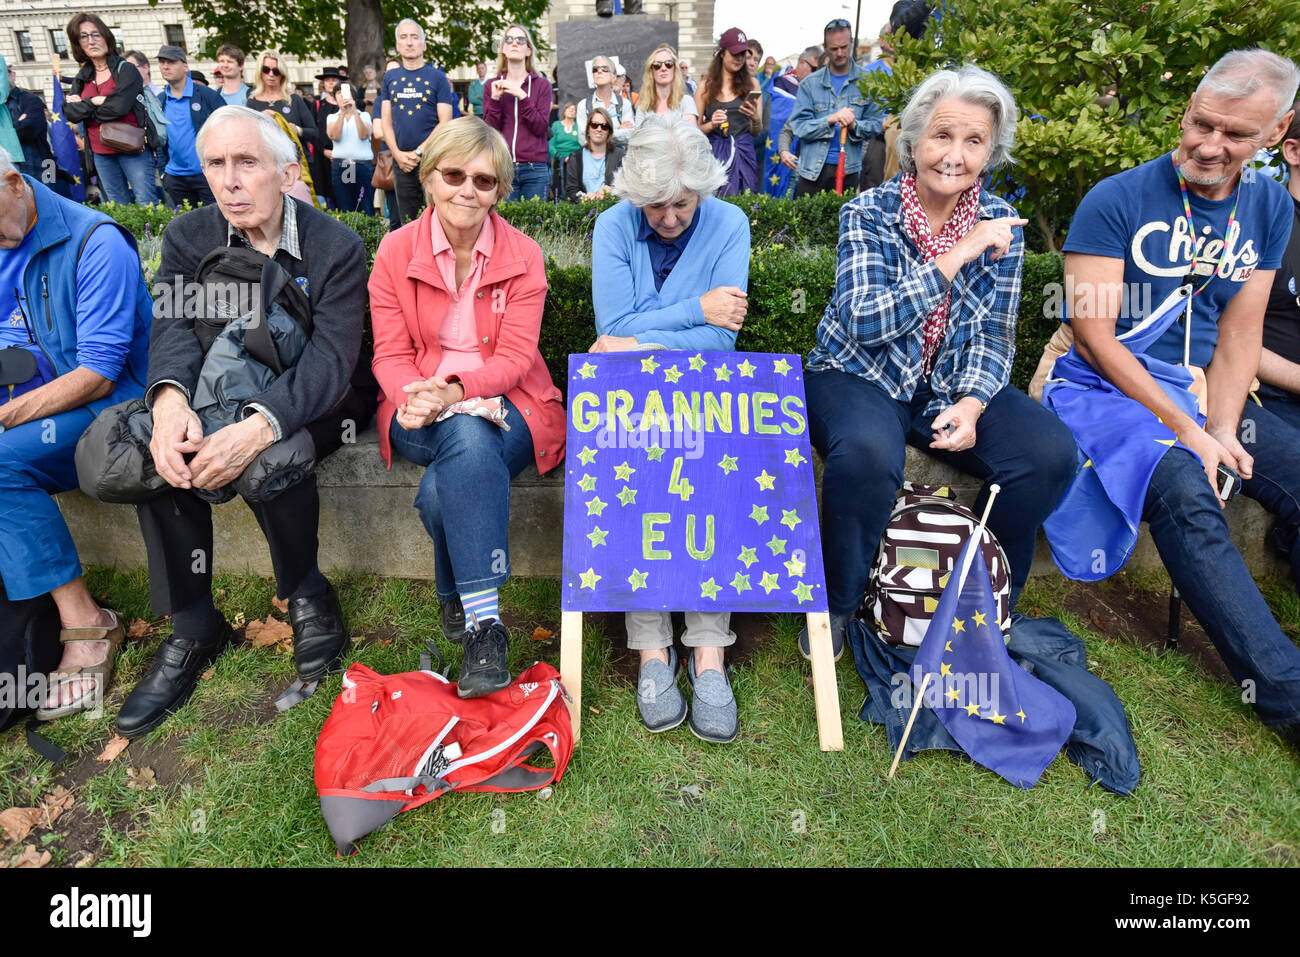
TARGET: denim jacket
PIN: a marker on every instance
(817, 100)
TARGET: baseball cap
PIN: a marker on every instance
(734, 41)
(170, 52)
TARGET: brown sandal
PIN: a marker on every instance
(100, 671)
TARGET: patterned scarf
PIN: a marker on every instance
(917, 227)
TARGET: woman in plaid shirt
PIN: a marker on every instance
(916, 343)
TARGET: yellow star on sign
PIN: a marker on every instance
(780, 366)
(1021, 715)
(802, 592)
(696, 362)
(740, 583)
(952, 694)
(627, 496)
(587, 483)
(758, 513)
(979, 619)
(710, 589)
(623, 473)
(654, 453)
(672, 373)
(765, 482)
(728, 463)
(597, 536)
(589, 578)
(769, 582)
(587, 370)
(586, 455)
(748, 555)
(722, 373)
(777, 545)
(790, 518)
(637, 579)
(793, 457)
(958, 625)
(998, 718)
(972, 710)
(747, 369)
(794, 567)
(945, 669)
(596, 506)
(648, 364)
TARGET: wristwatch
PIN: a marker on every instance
(419, 152)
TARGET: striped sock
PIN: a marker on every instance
(480, 605)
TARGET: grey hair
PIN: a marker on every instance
(1243, 73)
(971, 85)
(6, 164)
(666, 157)
(275, 141)
(812, 54)
(412, 23)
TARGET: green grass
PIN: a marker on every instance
(236, 789)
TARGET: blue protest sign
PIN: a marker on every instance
(688, 485)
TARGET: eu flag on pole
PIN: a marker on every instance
(1003, 717)
(64, 144)
(775, 175)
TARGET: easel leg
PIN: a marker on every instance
(571, 665)
(826, 692)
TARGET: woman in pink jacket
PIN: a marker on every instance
(517, 103)
(456, 303)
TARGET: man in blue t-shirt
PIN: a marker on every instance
(1134, 229)
(186, 107)
(416, 98)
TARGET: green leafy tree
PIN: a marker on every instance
(1100, 86)
(460, 32)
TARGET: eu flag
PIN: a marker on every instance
(775, 175)
(1003, 717)
(64, 144)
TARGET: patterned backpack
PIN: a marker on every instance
(919, 549)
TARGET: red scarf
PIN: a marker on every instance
(917, 227)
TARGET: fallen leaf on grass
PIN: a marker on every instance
(594, 710)
(542, 634)
(86, 860)
(139, 628)
(263, 634)
(141, 780)
(208, 674)
(281, 605)
(18, 822)
(30, 857)
(54, 804)
(1098, 621)
(116, 745)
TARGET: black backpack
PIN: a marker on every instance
(29, 646)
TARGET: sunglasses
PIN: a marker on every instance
(601, 69)
(520, 41)
(272, 71)
(599, 126)
(840, 24)
(456, 177)
(662, 65)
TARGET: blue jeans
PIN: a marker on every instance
(127, 179)
(1285, 405)
(351, 182)
(862, 433)
(531, 180)
(1272, 435)
(469, 463)
(1191, 534)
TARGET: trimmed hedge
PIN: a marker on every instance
(788, 287)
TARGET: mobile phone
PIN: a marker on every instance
(754, 95)
(1229, 482)
(345, 91)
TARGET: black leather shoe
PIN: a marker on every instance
(170, 681)
(453, 619)
(320, 637)
(484, 669)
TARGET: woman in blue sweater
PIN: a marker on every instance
(669, 271)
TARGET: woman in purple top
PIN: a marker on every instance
(517, 103)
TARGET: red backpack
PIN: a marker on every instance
(394, 742)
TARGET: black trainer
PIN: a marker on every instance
(170, 681)
(453, 619)
(484, 668)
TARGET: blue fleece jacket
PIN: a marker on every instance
(94, 313)
(623, 282)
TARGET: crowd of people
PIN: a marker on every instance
(915, 346)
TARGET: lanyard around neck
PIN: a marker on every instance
(1187, 209)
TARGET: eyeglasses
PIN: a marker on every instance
(840, 24)
(272, 71)
(456, 177)
(520, 41)
(599, 126)
(602, 69)
(90, 36)
(662, 65)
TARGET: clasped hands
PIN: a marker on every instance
(218, 459)
(426, 399)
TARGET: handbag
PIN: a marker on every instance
(122, 137)
(383, 175)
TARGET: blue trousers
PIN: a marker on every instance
(127, 179)
(36, 461)
(351, 182)
(531, 180)
(862, 433)
(464, 497)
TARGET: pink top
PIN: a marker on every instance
(458, 334)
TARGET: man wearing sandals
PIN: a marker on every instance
(75, 302)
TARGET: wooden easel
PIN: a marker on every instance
(830, 733)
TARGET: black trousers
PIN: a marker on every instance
(410, 194)
(824, 183)
(872, 173)
(177, 528)
(194, 188)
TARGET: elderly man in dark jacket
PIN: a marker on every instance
(250, 166)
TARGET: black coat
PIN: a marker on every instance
(32, 129)
(573, 171)
(296, 111)
(123, 100)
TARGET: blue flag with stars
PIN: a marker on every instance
(1002, 716)
(776, 175)
(64, 144)
(688, 484)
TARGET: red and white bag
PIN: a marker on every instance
(394, 742)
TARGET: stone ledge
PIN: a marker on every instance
(369, 524)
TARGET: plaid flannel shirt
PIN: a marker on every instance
(884, 289)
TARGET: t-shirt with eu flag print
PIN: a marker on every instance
(1138, 216)
(14, 326)
(413, 97)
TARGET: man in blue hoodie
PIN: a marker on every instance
(73, 305)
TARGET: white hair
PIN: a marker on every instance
(6, 164)
(969, 84)
(276, 144)
(666, 157)
(418, 28)
(1243, 73)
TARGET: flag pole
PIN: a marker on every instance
(977, 536)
